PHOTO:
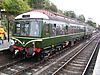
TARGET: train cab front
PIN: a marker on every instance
(26, 48)
(26, 33)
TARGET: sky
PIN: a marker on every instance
(89, 8)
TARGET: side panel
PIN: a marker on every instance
(57, 39)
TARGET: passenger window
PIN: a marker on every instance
(61, 30)
(17, 28)
(58, 30)
(47, 29)
(53, 29)
(66, 27)
(34, 29)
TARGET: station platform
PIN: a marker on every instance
(5, 45)
(97, 65)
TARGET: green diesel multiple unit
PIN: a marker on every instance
(38, 30)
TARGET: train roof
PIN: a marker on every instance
(49, 15)
(40, 14)
(32, 14)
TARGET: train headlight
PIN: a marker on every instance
(12, 42)
(33, 44)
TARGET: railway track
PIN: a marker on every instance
(19, 67)
(46, 66)
(32, 67)
(7, 60)
(14, 67)
(79, 63)
(10, 63)
(91, 66)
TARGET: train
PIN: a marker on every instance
(41, 32)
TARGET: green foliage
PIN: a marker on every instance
(12, 7)
(5, 23)
(70, 14)
(99, 27)
(36, 4)
(81, 18)
(1, 4)
(91, 23)
(53, 7)
(50, 6)
(47, 5)
(60, 11)
(42, 4)
(15, 6)
(20, 6)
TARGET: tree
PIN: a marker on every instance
(47, 5)
(81, 18)
(30, 3)
(36, 4)
(53, 7)
(42, 4)
(15, 6)
(1, 4)
(91, 23)
(99, 27)
(60, 11)
(70, 14)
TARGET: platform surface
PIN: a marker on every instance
(97, 65)
(5, 45)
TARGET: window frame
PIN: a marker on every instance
(30, 21)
